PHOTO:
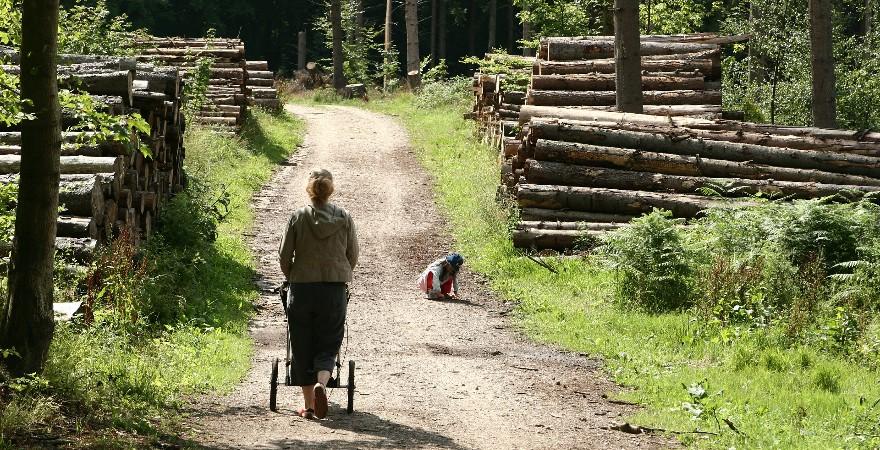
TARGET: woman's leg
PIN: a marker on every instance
(301, 321)
(328, 338)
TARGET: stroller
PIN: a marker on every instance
(334, 382)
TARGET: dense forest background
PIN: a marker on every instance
(273, 36)
(768, 78)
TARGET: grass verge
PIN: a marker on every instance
(749, 388)
(118, 386)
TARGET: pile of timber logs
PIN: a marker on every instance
(234, 84)
(581, 172)
(107, 186)
(498, 97)
(260, 86)
(681, 74)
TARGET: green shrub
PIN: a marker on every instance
(652, 266)
(455, 91)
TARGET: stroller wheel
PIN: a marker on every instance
(273, 387)
(350, 408)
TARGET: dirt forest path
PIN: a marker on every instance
(430, 374)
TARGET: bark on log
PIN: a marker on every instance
(77, 227)
(261, 74)
(616, 200)
(257, 66)
(551, 239)
(606, 82)
(667, 110)
(80, 250)
(596, 49)
(572, 216)
(698, 38)
(607, 98)
(530, 112)
(545, 172)
(559, 225)
(722, 150)
(10, 164)
(707, 67)
(744, 137)
(106, 83)
(593, 155)
(261, 82)
(194, 52)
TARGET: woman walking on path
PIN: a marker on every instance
(318, 252)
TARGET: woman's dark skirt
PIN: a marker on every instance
(316, 318)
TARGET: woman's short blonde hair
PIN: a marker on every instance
(320, 186)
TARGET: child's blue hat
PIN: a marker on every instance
(455, 260)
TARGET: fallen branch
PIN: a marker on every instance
(542, 264)
(626, 427)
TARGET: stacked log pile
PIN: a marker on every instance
(260, 86)
(681, 74)
(580, 172)
(498, 97)
(227, 94)
(107, 186)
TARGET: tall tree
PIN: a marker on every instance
(511, 26)
(627, 56)
(472, 27)
(527, 34)
(434, 10)
(869, 16)
(28, 322)
(441, 33)
(413, 76)
(822, 61)
(338, 56)
(493, 23)
(388, 13)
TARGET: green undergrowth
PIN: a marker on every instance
(748, 387)
(171, 325)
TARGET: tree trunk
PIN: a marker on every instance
(413, 75)
(441, 34)
(511, 27)
(493, 23)
(616, 201)
(527, 35)
(822, 61)
(28, 321)
(434, 32)
(545, 172)
(339, 81)
(670, 164)
(473, 25)
(627, 56)
(604, 98)
(301, 50)
(869, 16)
(607, 82)
(731, 151)
(388, 15)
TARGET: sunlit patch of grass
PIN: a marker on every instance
(776, 395)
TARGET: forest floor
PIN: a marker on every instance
(430, 374)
